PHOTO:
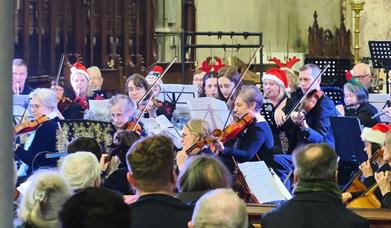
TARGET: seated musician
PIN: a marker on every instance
(197, 79)
(357, 105)
(19, 76)
(80, 84)
(210, 86)
(362, 73)
(316, 198)
(195, 130)
(383, 178)
(227, 80)
(256, 140)
(373, 139)
(96, 83)
(158, 107)
(122, 112)
(65, 98)
(313, 118)
(43, 107)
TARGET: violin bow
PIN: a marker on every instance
(240, 81)
(60, 69)
(307, 92)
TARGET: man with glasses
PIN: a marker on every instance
(362, 73)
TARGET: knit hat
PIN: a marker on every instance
(277, 75)
(154, 74)
(376, 134)
(78, 68)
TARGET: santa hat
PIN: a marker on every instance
(277, 75)
(376, 134)
(78, 68)
(154, 75)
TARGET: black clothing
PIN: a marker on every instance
(364, 113)
(190, 198)
(158, 210)
(386, 201)
(26, 90)
(70, 110)
(312, 209)
(117, 181)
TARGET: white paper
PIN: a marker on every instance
(178, 93)
(99, 110)
(161, 125)
(262, 184)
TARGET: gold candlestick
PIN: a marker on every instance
(357, 6)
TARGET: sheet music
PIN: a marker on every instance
(99, 110)
(214, 111)
(161, 125)
(262, 184)
(178, 93)
(19, 105)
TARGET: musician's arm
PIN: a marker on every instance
(386, 201)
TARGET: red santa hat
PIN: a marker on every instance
(154, 75)
(277, 75)
(78, 68)
(376, 134)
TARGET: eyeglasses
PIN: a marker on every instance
(35, 106)
(360, 76)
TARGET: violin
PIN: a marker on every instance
(133, 126)
(64, 104)
(310, 100)
(30, 126)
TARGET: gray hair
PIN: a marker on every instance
(202, 173)
(80, 170)
(315, 70)
(124, 100)
(315, 162)
(44, 198)
(220, 208)
(19, 62)
(360, 92)
(251, 93)
(46, 96)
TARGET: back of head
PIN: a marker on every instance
(80, 170)
(315, 162)
(42, 201)
(202, 173)
(151, 162)
(85, 144)
(123, 140)
(220, 208)
(95, 208)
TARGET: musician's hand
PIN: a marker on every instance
(383, 181)
(346, 197)
(299, 119)
(181, 158)
(104, 163)
(340, 109)
(219, 147)
(151, 109)
(388, 111)
(366, 169)
(279, 117)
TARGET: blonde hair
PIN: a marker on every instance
(44, 198)
(198, 127)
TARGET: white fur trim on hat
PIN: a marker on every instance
(370, 135)
(74, 71)
(273, 78)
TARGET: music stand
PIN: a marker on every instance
(335, 74)
(267, 112)
(381, 56)
(335, 94)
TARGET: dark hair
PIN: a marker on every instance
(138, 80)
(315, 162)
(95, 208)
(232, 74)
(66, 85)
(123, 140)
(202, 173)
(210, 74)
(85, 144)
(151, 162)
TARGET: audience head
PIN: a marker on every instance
(228, 78)
(122, 110)
(209, 85)
(219, 208)
(151, 164)
(136, 87)
(202, 173)
(275, 83)
(374, 137)
(249, 100)
(95, 208)
(85, 144)
(43, 101)
(80, 80)
(355, 93)
(43, 199)
(81, 170)
(96, 78)
(362, 72)
(315, 162)
(19, 75)
(307, 75)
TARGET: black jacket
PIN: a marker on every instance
(313, 209)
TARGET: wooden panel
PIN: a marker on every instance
(113, 81)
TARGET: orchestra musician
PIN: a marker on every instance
(96, 83)
(80, 84)
(357, 105)
(42, 130)
(314, 123)
(65, 98)
(123, 114)
(209, 85)
(256, 140)
(383, 178)
(228, 78)
(19, 76)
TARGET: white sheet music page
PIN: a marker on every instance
(214, 111)
(261, 182)
(161, 125)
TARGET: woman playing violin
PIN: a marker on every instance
(255, 139)
(383, 178)
(357, 105)
(65, 98)
(228, 78)
(43, 135)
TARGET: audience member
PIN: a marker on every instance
(219, 208)
(85, 144)
(95, 208)
(151, 170)
(317, 198)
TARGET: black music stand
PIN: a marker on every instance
(267, 112)
(335, 94)
(381, 57)
(335, 74)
